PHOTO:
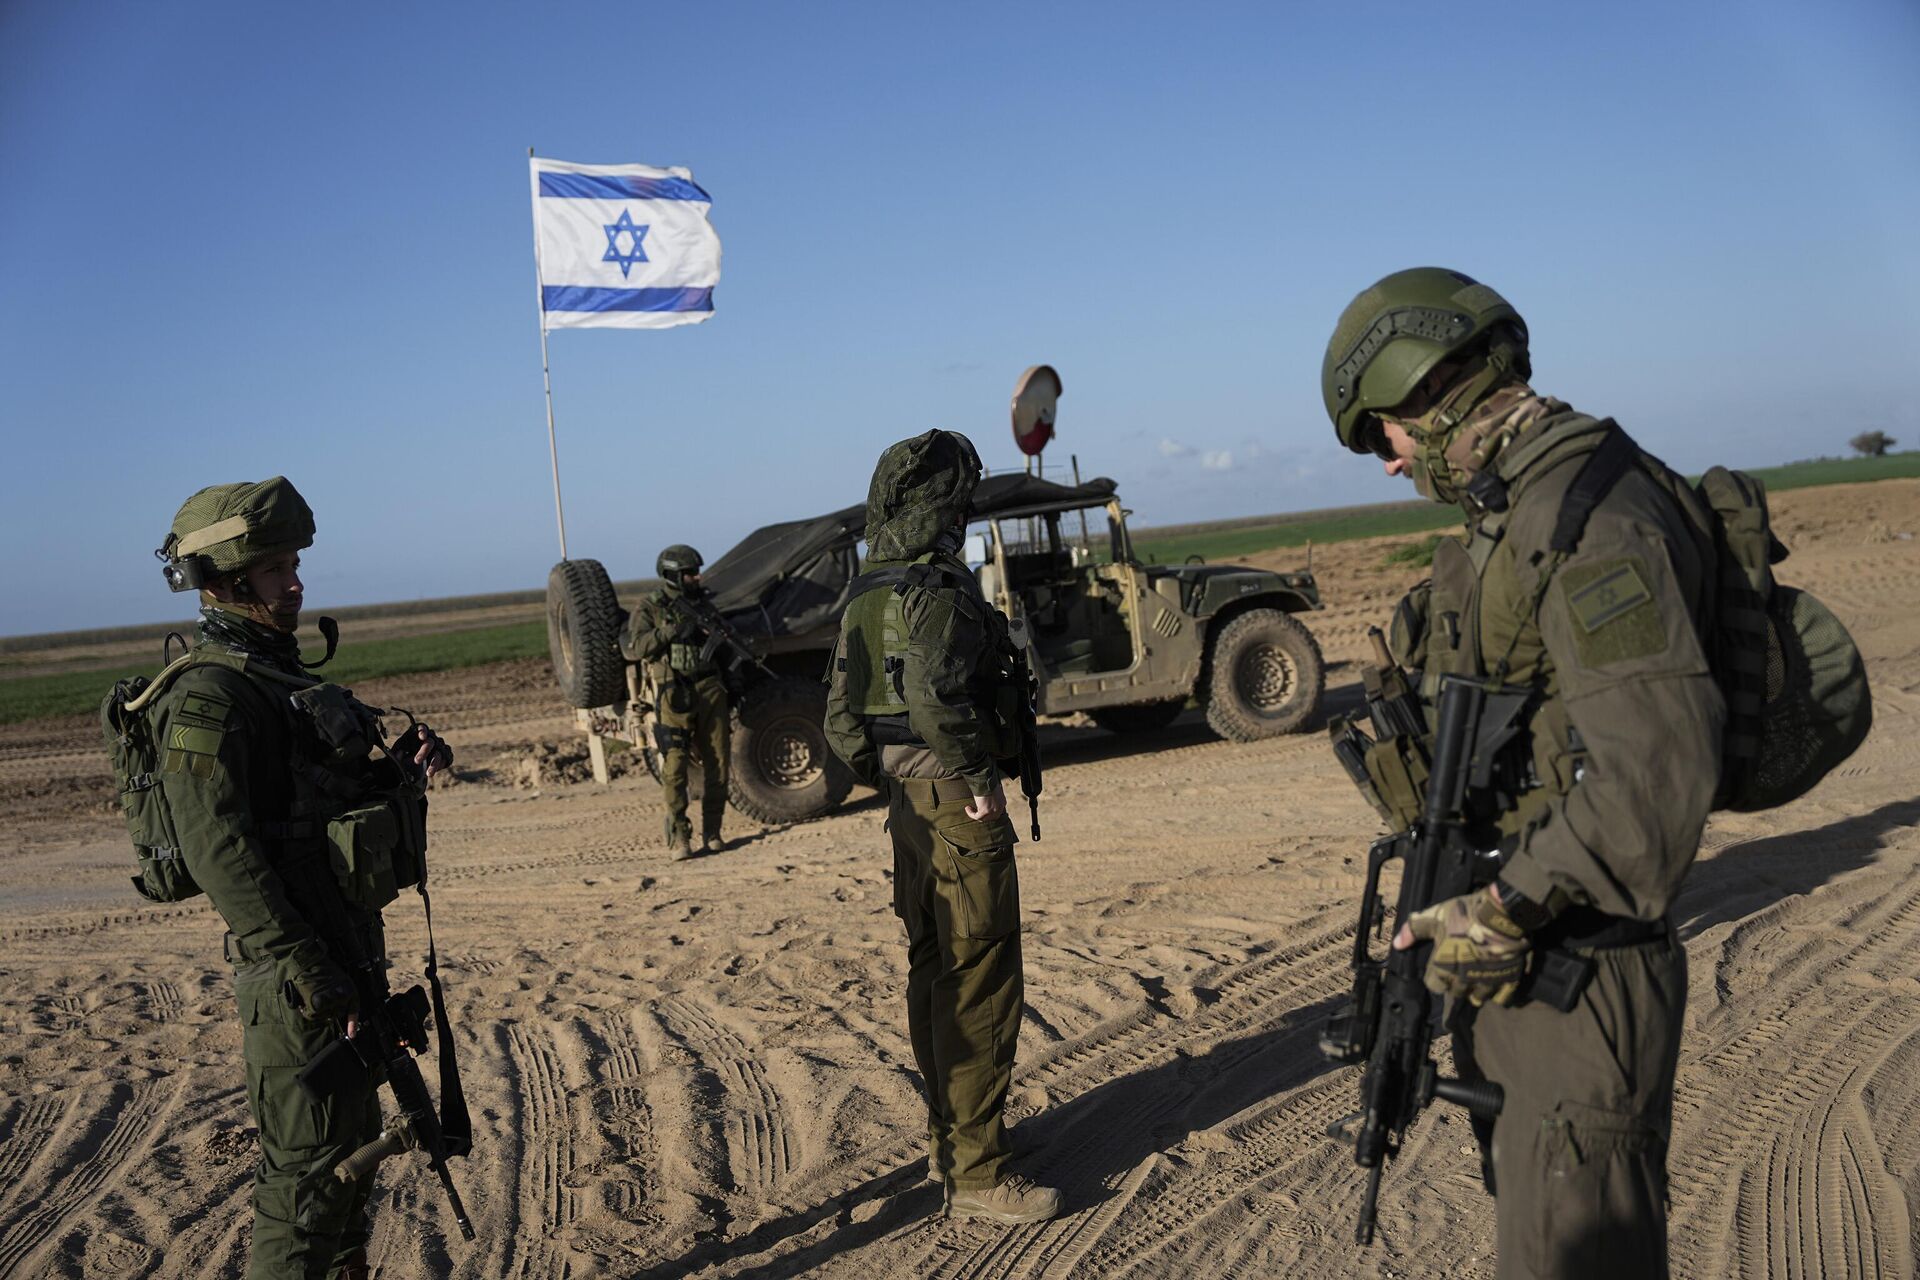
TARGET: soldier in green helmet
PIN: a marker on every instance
(254, 787)
(692, 710)
(918, 684)
(1585, 578)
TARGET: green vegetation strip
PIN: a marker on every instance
(72, 693)
(1231, 544)
(1227, 544)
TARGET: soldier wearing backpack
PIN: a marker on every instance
(247, 779)
(1588, 576)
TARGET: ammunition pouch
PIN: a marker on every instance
(1397, 768)
(684, 659)
(376, 850)
(1390, 773)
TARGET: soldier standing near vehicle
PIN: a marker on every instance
(692, 713)
(255, 788)
(1583, 579)
(919, 687)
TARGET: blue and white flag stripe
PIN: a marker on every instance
(573, 297)
(622, 246)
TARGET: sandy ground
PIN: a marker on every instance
(702, 1068)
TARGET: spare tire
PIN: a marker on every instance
(583, 634)
(782, 769)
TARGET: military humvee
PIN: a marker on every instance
(1129, 644)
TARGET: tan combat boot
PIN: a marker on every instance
(1014, 1201)
(681, 849)
(712, 843)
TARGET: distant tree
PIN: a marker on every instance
(1873, 444)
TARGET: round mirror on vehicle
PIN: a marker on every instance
(1036, 396)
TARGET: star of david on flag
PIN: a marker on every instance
(622, 246)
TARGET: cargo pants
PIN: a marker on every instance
(693, 716)
(306, 1223)
(955, 887)
(1577, 1160)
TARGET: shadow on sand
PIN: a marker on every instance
(1082, 1145)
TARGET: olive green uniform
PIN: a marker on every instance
(230, 750)
(693, 713)
(955, 884)
(1626, 750)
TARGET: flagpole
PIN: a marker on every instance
(546, 375)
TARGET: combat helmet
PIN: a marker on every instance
(226, 527)
(1396, 331)
(676, 561)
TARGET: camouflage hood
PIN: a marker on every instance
(919, 487)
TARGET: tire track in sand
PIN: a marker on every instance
(545, 1205)
(759, 1138)
(1791, 1180)
(108, 1142)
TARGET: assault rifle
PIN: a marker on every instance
(1028, 723)
(722, 641)
(1389, 1020)
(390, 1029)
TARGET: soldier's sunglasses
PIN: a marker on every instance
(1372, 435)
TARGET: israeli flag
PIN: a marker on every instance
(622, 246)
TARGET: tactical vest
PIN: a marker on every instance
(351, 802)
(681, 658)
(875, 651)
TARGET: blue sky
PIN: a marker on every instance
(243, 239)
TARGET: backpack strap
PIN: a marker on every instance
(1609, 461)
(902, 578)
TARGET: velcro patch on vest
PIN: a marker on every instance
(206, 706)
(1614, 611)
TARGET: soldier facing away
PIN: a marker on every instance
(918, 675)
(1428, 370)
(692, 711)
(257, 785)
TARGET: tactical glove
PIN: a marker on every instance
(1479, 953)
(322, 993)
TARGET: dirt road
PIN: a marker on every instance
(702, 1068)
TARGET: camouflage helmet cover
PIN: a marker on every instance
(1394, 333)
(228, 527)
(676, 560)
(919, 488)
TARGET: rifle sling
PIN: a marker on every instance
(456, 1126)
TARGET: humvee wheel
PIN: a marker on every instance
(1266, 676)
(783, 770)
(583, 634)
(1141, 717)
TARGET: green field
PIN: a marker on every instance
(1244, 539)
(73, 692)
(1231, 544)
(70, 693)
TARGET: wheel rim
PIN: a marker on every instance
(788, 754)
(1266, 677)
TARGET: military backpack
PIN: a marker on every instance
(1796, 689)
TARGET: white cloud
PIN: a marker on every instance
(1170, 448)
(1217, 460)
